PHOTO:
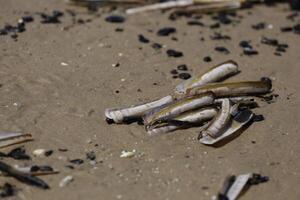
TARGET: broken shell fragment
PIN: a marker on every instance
(127, 154)
(216, 73)
(234, 89)
(217, 126)
(65, 181)
(241, 119)
(8, 139)
(121, 115)
(187, 119)
(175, 108)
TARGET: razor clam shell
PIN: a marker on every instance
(234, 89)
(240, 120)
(27, 170)
(159, 6)
(197, 116)
(217, 126)
(216, 73)
(238, 185)
(120, 114)
(175, 108)
(8, 139)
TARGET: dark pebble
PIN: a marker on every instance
(222, 50)
(245, 44)
(27, 19)
(259, 26)
(277, 54)
(48, 153)
(174, 53)
(219, 36)
(223, 18)
(76, 161)
(18, 154)
(175, 76)
(115, 19)
(174, 38)
(51, 19)
(184, 76)
(63, 149)
(91, 155)
(42, 168)
(249, 51)
(258, 118)
(269, 41)
(214, 26)
(119, 29)
(207, 59)
(166, 31)
(7, 190)
(173, 71)
(280, 49)
(195, 23)
(182, 67)
(156, 46)
(286, 29)
(142, 39)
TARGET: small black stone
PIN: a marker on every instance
(184, 76)
(269, 41)
(51, 19)
(222, 50)
(119, 29)
(173, 71)
(76, 161)
(245, 44)
(48, 153)
(250, 51)
(142, 39)
(259, 26)
(182, 67)
(174, 53)
(286, 29)
(195, 23)
(156, 46)
(166, 31)
(219, 36)
(214, 26)
(91, 155)
(7, 190)
(115, 19)
(277, 54)
(207, 59)
(27, 19)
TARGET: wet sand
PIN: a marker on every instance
(63, 105)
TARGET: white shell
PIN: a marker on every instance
(192, 117)
(119, 114)
(239, 121)
(214, 74)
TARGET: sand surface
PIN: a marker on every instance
(63, 105)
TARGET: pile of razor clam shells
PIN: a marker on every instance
(221, 109)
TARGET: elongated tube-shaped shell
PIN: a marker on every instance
(238, 186)
(157, 6)
(216, 73)
(7, 138)
(241, 119)
(221, 120)
(121, 114)
(180, 106)
(197, 116)
(234, 89)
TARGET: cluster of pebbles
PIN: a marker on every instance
(220, 109)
